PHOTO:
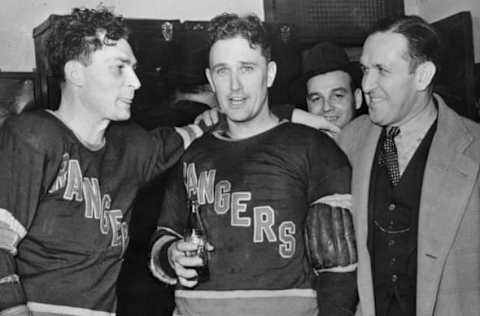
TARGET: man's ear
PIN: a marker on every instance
(271, 73)
(358, 98)
(74, 72)
(209, 78)
(424, 75)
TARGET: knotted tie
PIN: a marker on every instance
(389, 156)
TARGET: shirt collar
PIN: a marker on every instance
(418, 126)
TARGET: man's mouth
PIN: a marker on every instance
(237, 100)
(374, 99)
(126, 100)
(331, 118)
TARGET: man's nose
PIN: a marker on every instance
(369, 81)
(327, 106)
(133, 80)
(235, 83)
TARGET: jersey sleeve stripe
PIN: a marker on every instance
(12, 278)
(336, 200)
(16, 310)
(11, 231)
(339, 269)
(189, 133)
(8, 240)
(154, 266)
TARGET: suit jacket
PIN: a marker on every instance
(448, 277)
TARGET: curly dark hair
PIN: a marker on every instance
(78, 35)
(250, 27)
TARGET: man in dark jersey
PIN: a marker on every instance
(255, 183)
(68, 177)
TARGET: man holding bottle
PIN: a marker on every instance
(254, 183)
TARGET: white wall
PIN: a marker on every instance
(432, 10)
(19, 17)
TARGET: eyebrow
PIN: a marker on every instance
(218, 65)
(340, 89)
(249, 63)
(127, 61)
(313, 94)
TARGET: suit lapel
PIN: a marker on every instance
(447, 184)
(362, 166)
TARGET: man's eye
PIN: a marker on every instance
(247, 68)
(315, 99)
(382, 70)
(120, 68)
(338, 96)
(221, 71)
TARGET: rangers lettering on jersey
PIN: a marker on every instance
(219, 194)
(87, 190)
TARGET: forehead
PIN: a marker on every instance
(234, 50)
(329, 81)
(385, 48)
(120, 51)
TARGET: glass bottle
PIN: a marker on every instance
(197, 234)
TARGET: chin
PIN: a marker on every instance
(122, 116)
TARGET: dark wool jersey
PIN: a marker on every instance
(67, 207)
(254, 195)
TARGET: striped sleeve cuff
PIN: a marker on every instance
(189, 133)
(155, 265)
(336, 200)
(19, 310)
(11, 231)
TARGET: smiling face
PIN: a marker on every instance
(330, 95)
(388, 82)
(240, 76)
(109, 82)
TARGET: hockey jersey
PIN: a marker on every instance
(254, 195)
(64, 209)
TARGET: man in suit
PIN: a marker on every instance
(415, 182)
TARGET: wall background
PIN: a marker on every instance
(19, 17)
(432, 10)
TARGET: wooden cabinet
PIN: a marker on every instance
(159, 45)
(155, 43)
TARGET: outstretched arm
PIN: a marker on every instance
(315, 121)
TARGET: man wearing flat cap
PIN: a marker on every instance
(332, 83)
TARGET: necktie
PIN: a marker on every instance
(389, 156)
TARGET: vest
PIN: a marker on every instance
(393, 231)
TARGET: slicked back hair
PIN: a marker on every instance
(424, 43)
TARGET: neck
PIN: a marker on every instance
(424, 103)
(241, 130)
(85, 124)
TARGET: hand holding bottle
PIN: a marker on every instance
(184, 259)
